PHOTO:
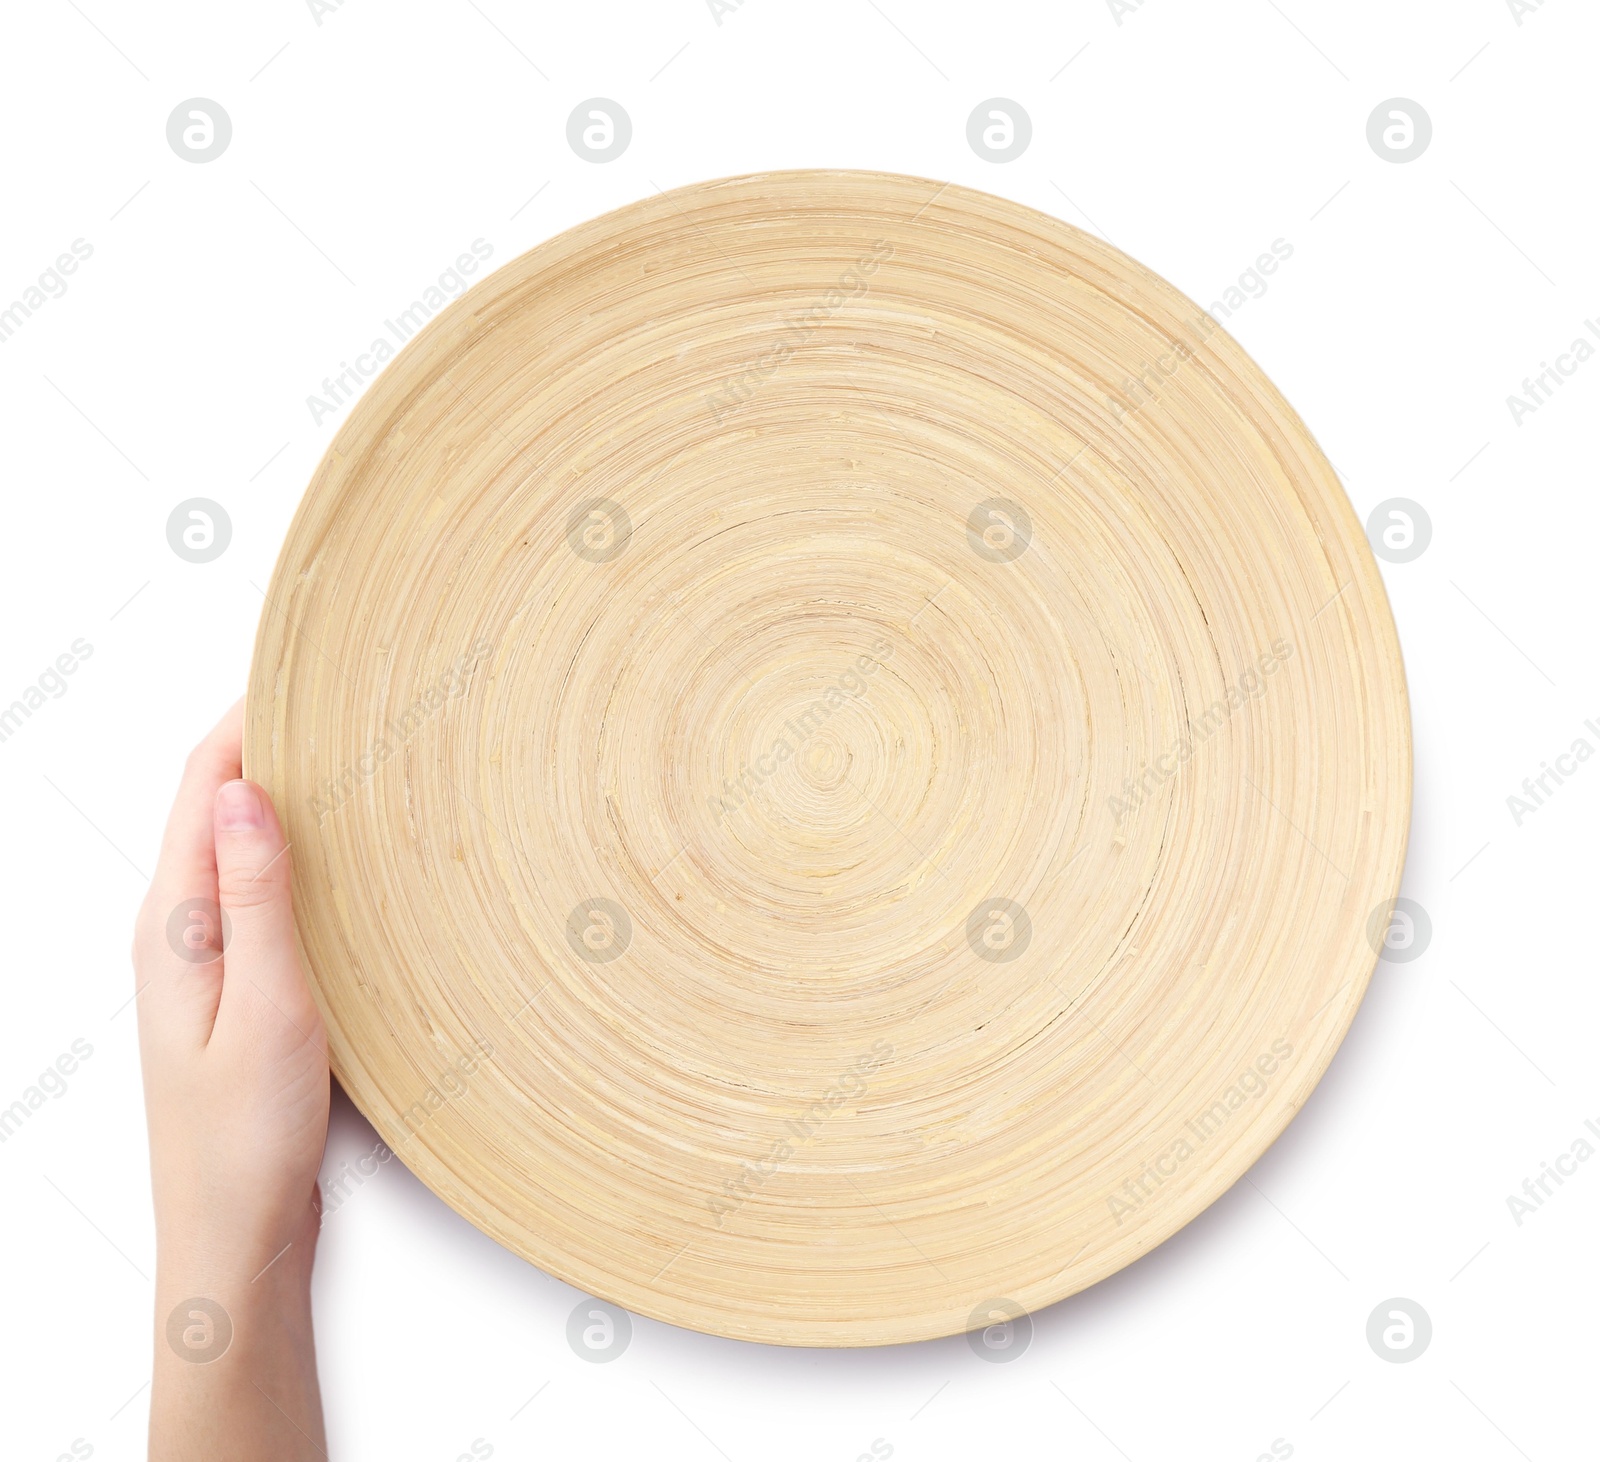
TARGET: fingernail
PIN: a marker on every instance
(239, 806)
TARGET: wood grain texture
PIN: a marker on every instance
(647, 861)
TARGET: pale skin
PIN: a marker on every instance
(236, 1092)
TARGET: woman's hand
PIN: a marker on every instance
(236, 1093)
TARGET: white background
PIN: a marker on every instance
(370, 150)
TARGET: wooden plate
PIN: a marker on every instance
(842, 745)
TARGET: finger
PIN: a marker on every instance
(178, 941)
(262, 963)
(188, 864)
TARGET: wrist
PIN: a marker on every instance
(212, 1244)
(235, 1360)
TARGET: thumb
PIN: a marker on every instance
(260, 960)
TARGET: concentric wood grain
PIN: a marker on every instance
(807, 904)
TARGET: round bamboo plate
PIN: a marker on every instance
(841, 743)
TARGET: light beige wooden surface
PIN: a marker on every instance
(791, 1098)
